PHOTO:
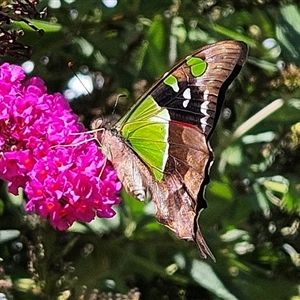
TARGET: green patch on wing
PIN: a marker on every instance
(197, 65)
(172, 81)
(146, 128)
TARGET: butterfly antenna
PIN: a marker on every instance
(70, 65)
(116, 103)
(92, 131)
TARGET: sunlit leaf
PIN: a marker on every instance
(7, 235)
(234, 234)
(204, 275)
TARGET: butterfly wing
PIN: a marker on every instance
(184, 178)
(199, 96)
(192, 92)
(169, 128)
(147, 131)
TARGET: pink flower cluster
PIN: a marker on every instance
(45, 151)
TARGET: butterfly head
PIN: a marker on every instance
(100, 123)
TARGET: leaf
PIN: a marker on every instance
(221, 189)
(46, 26)
(17, 199)
(232, 155)
(263, 64)
(205, 276)
(288, 30)
(262, 200)
(264, 137)
(234, 234)
(98, 225)
(234, 35)
(154, 60)
(7, 235)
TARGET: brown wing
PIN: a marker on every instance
(194, 107)
(224, 61)
(184, 177)
(193, 101)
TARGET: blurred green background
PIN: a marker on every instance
(252, 221)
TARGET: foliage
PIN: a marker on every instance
(252, 220)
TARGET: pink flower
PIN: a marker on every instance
(65, 178)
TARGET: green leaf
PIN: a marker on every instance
(205, 276)
(17, 199)
(7, 235)
(288, 31)
(221, 189)
(234, 35)
(98, 225)
(262, 200)
(234, 234)
(277, 184)
(46, 26)
(154, 60)
(232, 155)
(263, 64)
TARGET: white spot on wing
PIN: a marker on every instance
(199, 81)
(163, 118)
(185, 103)
(175, 87)
(187, 96)
(205, 95)
(204, 110)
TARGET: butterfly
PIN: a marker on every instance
(160, 147)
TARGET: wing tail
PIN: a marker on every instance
(202, 246)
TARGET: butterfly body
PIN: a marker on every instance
(160, 148)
